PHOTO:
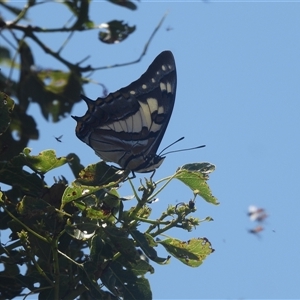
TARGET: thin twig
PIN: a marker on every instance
(29, 32)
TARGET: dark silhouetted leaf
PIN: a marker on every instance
(4, 54)
(74, 164)
(54, 91)
(12, 173)
(31, 206)
(146, 242)
(115, 32)
(80, 9)
(6, 107)
(124, 3)
(22, 129)
(101, 174)
(117, 278)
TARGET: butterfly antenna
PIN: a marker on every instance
(171, 145)
(187, 149)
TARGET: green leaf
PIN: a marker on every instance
(105, 207)
(100, 214)
(6, 108)
(44, 162)
(191, 253)
(93, 178)
(78, 192)
(195, 176)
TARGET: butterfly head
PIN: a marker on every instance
(150, 164)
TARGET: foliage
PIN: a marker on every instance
(77, 240)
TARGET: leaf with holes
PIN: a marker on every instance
(44, 161)
(192, 253)
(195, 176)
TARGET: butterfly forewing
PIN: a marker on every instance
(128, 125)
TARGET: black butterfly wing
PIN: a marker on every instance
(128, 125)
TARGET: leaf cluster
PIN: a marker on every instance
(77, 240)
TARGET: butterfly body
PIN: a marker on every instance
(127, 126)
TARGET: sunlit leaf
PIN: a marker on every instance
(78, 192)
(44, 161)
(195, 176)
(191, 253)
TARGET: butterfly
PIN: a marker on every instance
(127, 126)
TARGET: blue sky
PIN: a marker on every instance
(238, 93)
